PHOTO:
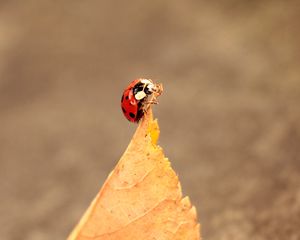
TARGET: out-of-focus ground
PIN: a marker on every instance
(229, 116)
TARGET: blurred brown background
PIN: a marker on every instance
(229, 116)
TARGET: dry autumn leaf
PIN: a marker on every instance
(141, 198)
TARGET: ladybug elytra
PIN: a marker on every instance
(138, 97)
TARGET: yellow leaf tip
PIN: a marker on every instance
(154, 131)
(150, 127)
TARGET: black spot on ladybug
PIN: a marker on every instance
(127, 97)
(132, 115)
(124, 111)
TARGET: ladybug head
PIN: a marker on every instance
(143, 88)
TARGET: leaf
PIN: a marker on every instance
(141, 198)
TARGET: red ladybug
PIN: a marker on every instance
(137, 98)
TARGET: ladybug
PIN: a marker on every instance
(138, 97)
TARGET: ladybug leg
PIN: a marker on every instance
(148, 103)
(153, 98)
(154, 101)
(158, 89)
